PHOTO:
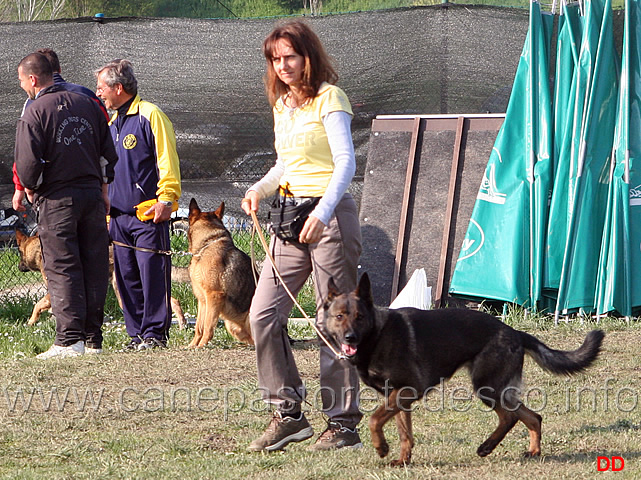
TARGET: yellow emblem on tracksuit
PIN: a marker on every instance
(129, 141)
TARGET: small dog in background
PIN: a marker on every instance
(222, 277)
(31, 261)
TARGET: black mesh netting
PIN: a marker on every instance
(207, 74)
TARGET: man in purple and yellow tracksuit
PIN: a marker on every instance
(148, 169)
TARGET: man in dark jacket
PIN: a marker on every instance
(65, 158)
(18, 195)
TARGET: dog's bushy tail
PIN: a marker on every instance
(564, 362)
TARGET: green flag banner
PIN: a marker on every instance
(618, 290)
(496, 258)
(590, 159)
(565, 84)
(568, 143)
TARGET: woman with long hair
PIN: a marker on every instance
(314, 167)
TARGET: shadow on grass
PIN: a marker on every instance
(304, 343)
(590, 458)
(616, 427)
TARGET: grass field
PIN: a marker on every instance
(187, 414)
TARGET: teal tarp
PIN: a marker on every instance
(566, 118)
(507, 220)
(560, 153)
(617, 289)
(597, 87)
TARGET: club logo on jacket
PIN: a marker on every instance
(129, 141)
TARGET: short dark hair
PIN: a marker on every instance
(52, 57)
(38, 65)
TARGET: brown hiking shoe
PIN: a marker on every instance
(337, 436)
(281, 431)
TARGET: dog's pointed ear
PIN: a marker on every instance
(220, 211)
(193, 207)
(332, 290)
(364, 289)
(20, 237)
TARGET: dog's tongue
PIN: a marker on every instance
(349, 350)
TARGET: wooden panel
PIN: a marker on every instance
(415, 214)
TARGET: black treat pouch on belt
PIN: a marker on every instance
(287, 219)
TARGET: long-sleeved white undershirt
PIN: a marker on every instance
(339, 135)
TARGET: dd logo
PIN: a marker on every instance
(603, 464)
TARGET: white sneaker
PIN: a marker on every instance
(92, 351)
(59, 351)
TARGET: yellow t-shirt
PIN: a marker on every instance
(301, 141)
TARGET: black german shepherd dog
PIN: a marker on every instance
(402, 353)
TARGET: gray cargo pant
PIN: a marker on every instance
(335, 255)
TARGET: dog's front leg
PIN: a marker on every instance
(238, 332)
(42, 305)
(376, 429)
(114, 285)
(180, 315)
(213, 305)
(378, 420)
(198, 329)
(404, 426)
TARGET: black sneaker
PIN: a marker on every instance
(132, 346)
(150, 343)
(282, 431)
(337, 436)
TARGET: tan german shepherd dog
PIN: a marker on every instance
(403, 353)
(31, 261)
(221, 276)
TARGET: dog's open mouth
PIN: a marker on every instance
(348, 350)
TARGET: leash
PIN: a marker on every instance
(151, 250)
(252, 255)
(202, 249)
(261, 237)
(142, 249)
